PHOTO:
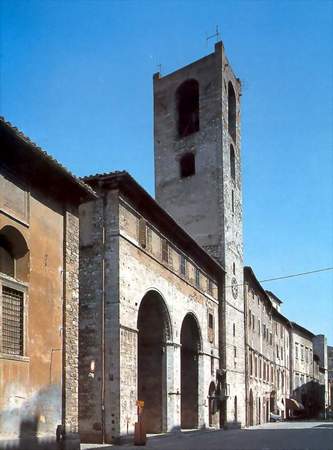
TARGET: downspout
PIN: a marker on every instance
(103, 322)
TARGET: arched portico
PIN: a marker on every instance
(154, 330)
(190, 340)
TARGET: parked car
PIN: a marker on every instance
(274, 417)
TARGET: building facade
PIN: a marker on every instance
(267, 353)
(330, 379)
(149, 317)
(39, 251)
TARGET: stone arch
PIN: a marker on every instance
(154, 330)
(14, 253)
(191, 344)
(193, 315)
(166, 313)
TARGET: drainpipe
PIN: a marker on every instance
(103, 321)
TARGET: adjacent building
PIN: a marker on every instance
(39, 257)
(267, 353)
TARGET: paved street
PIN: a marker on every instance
(274, 436)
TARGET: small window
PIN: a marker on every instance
(142, 232)
(165, 251)
(210, 286)
(183, 265)
(197, 277)
(210, 320)
(234, 329)
(232, 163)
(187, 98)
(233, 201)
(187, 165)
(234, 268)
(210, 327)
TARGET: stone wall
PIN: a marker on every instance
(131, 274)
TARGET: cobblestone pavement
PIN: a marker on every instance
(272, 436)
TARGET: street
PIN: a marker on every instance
(271, 436)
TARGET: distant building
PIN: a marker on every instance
(39, 257)
(330, 377)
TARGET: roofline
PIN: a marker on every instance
(274, 311)
(123, 181)
(90, 194)
(270, 293)
(302, 329)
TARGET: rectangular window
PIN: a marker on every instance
(183, 265)
(210, 286)
(302, 352)
(277, 352)
(12, 321)
(232, 201)
(253, 321)
(210, 320)
(259, 327)
(296, 350)
(197, 277)
(210, 327)
(142, 232)
(271, 338)
(250, 318)
(165, 251)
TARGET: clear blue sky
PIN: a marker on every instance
(76, 76)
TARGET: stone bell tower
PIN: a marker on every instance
(198, 182)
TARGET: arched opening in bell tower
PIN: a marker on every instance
(231, 111)
(187, 97)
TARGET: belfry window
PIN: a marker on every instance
(187, 98)
(187, 165)
(231, 111)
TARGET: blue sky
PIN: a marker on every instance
(76, 76)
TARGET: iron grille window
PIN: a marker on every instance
(12, 321)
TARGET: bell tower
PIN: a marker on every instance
(198, 182)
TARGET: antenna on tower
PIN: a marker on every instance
(216, 34)
(159, 66)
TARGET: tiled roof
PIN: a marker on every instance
(47, 158)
